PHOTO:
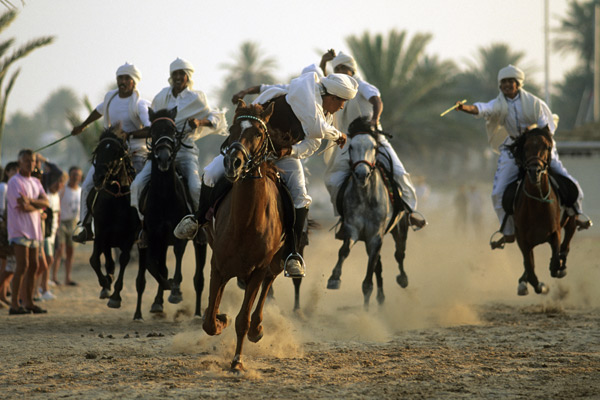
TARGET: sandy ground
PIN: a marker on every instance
(458, 331)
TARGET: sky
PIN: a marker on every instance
(93, 38)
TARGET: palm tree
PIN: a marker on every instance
(7, 60)
(248, 69)
(412, 85)
(577, 29)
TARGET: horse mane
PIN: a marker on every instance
(112, 132)
(362, 125)
(517, 147)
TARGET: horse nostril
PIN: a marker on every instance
(237, 163)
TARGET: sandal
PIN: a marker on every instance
(18, 311)
(36, 310)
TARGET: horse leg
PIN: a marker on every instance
(528, 261)
(158, 304)
(555, 259)
(97, 267)
(242, 321)
(400, 235)
(297, 283)
(214, 322)
(159, 260)
(334, 280)
(569, 226)
(176, 296)
(379, 278)
(373, 249)
(255, 333)
(115, 299)
(200, 252)
(140, 285)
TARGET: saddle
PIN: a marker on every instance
(181, 183)
(223, 186)
(565, 188)
(398, 203)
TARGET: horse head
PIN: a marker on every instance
(532, 152)
(165, 141)
(362, 149)
(109, 154)
(249, 143)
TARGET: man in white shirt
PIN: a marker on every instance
(367, 103)
(122, 106)
(194, 117)
(507, 117)
(313, 102)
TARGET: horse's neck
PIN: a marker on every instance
(249, 200)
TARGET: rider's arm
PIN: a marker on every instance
(95, 115)
(377, 109)
(470, 109)
(242, 93)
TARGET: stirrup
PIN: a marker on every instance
(501, 242)
(416, 227)
(83, 235)
(187, 228)
(297, 269)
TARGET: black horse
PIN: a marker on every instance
(164, 206)
(115, 221)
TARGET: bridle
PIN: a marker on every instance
(117, 171)
(173, 142)
(252, 161)
(354, 164)
(535, 167)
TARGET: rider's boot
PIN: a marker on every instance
(416, 220)
(188, 227)
(583, 222)
(294, 263)
(499, 244)
(84, 230)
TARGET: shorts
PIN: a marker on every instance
(23, 241)
(65, 233)
(49, 243)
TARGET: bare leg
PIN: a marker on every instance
(22, 256)
(68, 264)
(58, 255)
(29, 277)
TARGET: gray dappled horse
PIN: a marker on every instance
(367, 216)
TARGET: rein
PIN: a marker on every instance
(542, 198)
(116, 168)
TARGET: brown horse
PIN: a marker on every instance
(247, 234)
(537, 209)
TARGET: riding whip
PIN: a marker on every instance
(53, 143)
(453, 107)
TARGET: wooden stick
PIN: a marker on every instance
(453, 107)
(53, 143)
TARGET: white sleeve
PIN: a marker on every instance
(143, 112)
(545, 117)
(305, 148)
(485, 109)
(366, 90)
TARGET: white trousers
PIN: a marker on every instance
(291, 170)
(339, 169)
(507, 171)
(187, 163)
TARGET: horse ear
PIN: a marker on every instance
(173, 113)
(266, 114)
(151, 114)
(241, 104)
(118, 131)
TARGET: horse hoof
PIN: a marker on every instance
(237, 367)
(114, 303)
(522, 290)
(254, 338)
(176, 296)
(367, 289)
(138, 318)
(224, 319)
(156, 308)
(104, 293)
(561, 273)
(402, 280)
(542, 288)
(380, 298)
(334, 283)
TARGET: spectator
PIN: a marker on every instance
(6, 251)
(69, 212)
(53, 181)
(25, 196)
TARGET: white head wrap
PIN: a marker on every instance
(511, 71)
(346, 60)
(131, 70)
(184, 65)
(340, 85)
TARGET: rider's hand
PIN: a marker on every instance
(341, 141)
(459, 105)
(285, 151)
(238, 96)
(193, 123)
(77, 130)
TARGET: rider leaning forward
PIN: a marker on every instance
(507, 117)
(312, 101)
